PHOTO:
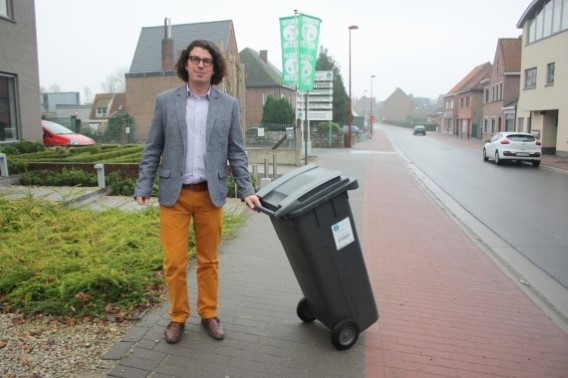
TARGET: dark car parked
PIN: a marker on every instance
(419, 130)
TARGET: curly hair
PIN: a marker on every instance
(219, 64)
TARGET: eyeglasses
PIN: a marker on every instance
(196, 60)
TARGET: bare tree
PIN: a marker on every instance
(88, 95)
(115, 82)
(54, 88)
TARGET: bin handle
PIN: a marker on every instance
(262, 209)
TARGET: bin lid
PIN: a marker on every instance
(303, 189)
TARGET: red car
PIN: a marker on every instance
(55, 134)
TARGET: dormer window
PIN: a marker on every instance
(101, 111)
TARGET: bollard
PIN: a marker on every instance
(274, 166)
(100, 174)
(264, 182)
(265, 168)
(3, 165)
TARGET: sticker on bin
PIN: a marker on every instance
(343, 233)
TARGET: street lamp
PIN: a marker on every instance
(371, 111)
(350, 115)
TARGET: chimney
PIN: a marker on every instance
(264, 56)
(167, 47)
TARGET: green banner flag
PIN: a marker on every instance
(303, 44)
(289, 41)
(308, 50)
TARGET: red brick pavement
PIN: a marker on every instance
(445, 308)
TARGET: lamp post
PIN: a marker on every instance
(371, 111)
(350, 115)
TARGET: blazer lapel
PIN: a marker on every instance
(180, 104)
(214, 105)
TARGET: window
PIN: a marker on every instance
(530, 78)
(509, 122)
(557, 15)
(564, 16)
(485, 123)
(550, 19)
(461, 102)
(486, 96)
(6, 9)
(547, 19)
(532, 30)
(101, 112)
(550, 74)
(539, 22)
(521, 125)
(467, 102)
(492, 125)
(8, 119)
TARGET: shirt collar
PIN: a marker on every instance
(206, 95)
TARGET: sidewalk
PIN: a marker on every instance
(445, 308)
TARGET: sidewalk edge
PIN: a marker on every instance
(544, 291)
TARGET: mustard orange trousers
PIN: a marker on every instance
(196, 208)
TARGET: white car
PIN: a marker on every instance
(512, 146)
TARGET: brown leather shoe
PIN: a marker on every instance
(174, 332)
(213, 327)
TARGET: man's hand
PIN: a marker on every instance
(252, 201)
(142, 200)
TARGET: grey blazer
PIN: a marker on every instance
(167, 142)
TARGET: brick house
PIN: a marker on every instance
(152, 68)
(398, 107)
(20, 111)
(543, 99)
(262, 79)
(463, 104)
(104, 106)
(501, 91)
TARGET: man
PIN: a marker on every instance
(195, 130)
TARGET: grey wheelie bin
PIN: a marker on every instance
(310, 212)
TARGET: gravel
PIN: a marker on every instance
(45, 346)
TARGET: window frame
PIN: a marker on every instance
(9, 105)
(9, 10)
(530, 84)
(550, 67)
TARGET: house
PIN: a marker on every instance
(104, 106)
(262, 79)
(152, 68)
(20, 112)
(463, 104)
(50, 100)
(543, 101)
(398, 107)
(501, 90)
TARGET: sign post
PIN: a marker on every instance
(299, 39)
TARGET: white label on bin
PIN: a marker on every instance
(343, 233)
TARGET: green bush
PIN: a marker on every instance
(77, 262)
(323, 128)
(67, 177)
(24, 147)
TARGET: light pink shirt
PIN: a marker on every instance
(196, 110)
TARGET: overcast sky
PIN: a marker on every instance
(422, 47)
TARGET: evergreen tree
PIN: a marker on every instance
(277, 111)
(340, 97)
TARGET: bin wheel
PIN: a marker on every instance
(344, 334)
(304, 312)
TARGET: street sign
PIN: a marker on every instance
(320, 115)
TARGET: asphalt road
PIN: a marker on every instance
(525, 206)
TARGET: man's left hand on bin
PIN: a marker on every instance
(252, 201)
